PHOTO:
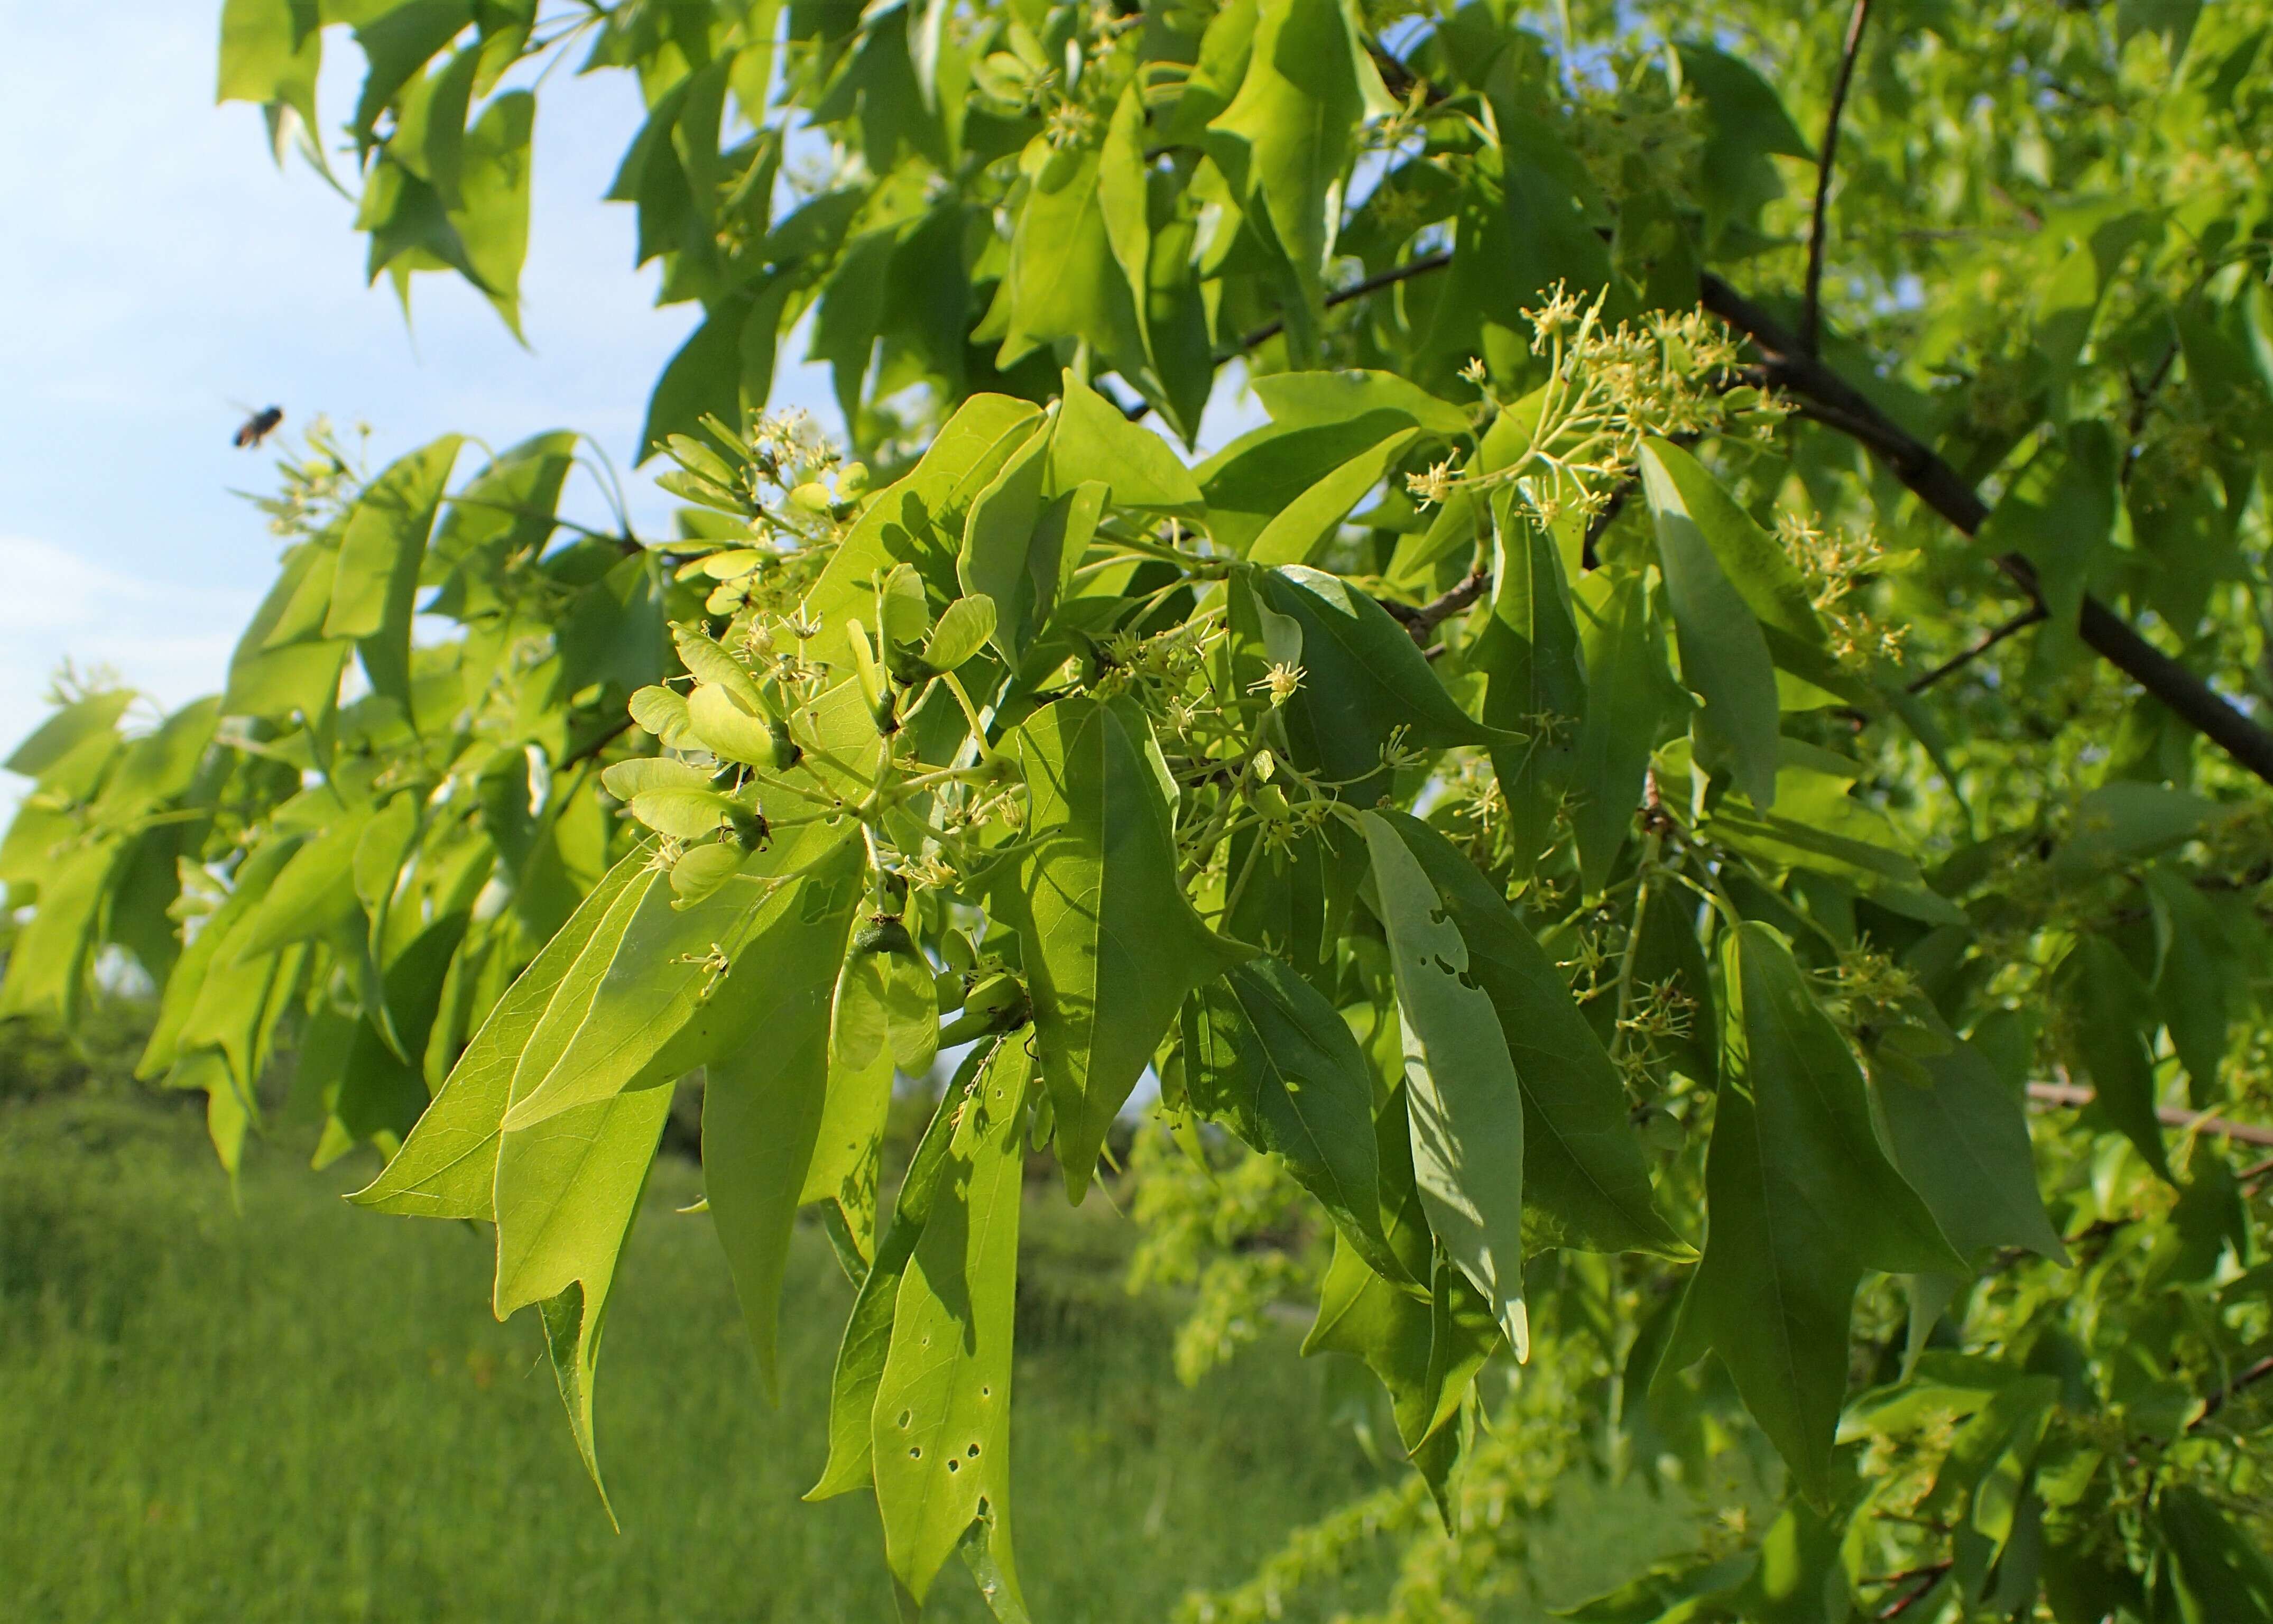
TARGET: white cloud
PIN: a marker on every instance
(170, 640)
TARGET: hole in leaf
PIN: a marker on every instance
(907, 1416)
(915, 1452)
(954, 1465)
(972, 1452)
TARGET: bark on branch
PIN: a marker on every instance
(1833, 401)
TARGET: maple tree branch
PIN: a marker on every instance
(1422, 619)
(2169, 1116)
(1811, 309)
(2027, 617)
(2256, 1372)
(1927, 1578)
(1374, 283)
(1830, 399)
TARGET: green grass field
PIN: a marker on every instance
(301, 1411)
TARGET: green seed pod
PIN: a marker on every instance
(787, 751)
(748, 828)
(994, 994)
(882, 933)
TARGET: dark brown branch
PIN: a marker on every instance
(2031, 616)
(1374, 283)
(1927, 1579)
(1832, 400)
(1424, 619)
(2169, 1116)
(1811, 309)
(2256, 1372)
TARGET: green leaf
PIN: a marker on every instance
(399, 42)
(1800, 1201)
(84, 730)
(2217, 1574)
(670, 999)
(1095, 441)
(1466, 1105)
(1307, 525)
(1253, 479)
(998, 544)
(312, 896)
(1627, 688)
(1286, 138)
(270, 52)
(375, 589)
(1585, 1182)
(1723, 656)
(1267, 1054)
(1961, 1140)
(919, 519)
(1305, 399)
(567, 1191)
(964, 629)
(942, 1418)
(764, 1100)
(1535, 678)
(447, 1165)
(1818, 826)
(1111, 946)
(492, 217)
(1063, 280)
(868, 1330)
(1362, 680)
(2115, 1022)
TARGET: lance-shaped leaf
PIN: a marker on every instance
(447, 1165)
(1585, 1182)
(2219, 1575)
(1723, 656)
(671, 998)
(1467, 1107)
(1762, 573)
(1252, 480)
(1627, 688)
(2115, 1020)
(1300, 531)
(1800, 1201)
(1363, 679)
(1535, 676)
(1961, 1137)
(375, 585)
(766, 1094)
(1111, 946)
(567, 1191)
(868, 1329)
(941, 1419)
(1267, 1054)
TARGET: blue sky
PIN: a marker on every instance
(160, 273)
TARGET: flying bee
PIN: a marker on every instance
(257, 427)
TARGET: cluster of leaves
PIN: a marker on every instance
(1490, 791)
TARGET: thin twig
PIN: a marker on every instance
(1831, 399)
(2215, 1401)
(1927, 1578)
(1811, 309)
(1422, 619)
(2169, 1116)
(1374, 283)
(2027, 617)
